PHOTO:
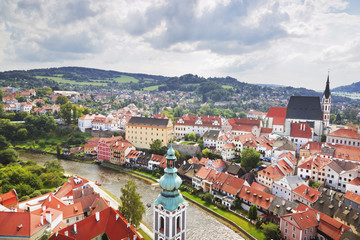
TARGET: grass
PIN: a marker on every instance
(63, 80)
(125, 79)
(153, 88)
(247, 226)
(146, 237)
(188, 143)
(227, 87)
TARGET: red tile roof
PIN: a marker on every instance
(279, 115)
(20, 224)
(218, 163)
(352, 196)
(9, 199)
(203, 161)
(208, 121)
(259, 198)
(289, 156)
(300, 130)
(193, 160)
(272, 172)
(266, 130)
(307, 192)
(133, 154)
(257, 186)
(111, 222)
(121, 145)
(229, 146)
(232, 185)
(306, 164)
(347, 152)
(355, 181)
(249, 137)
(345, 133)
(243, 124)
(203, 172)
(285, 167)
(304, 220)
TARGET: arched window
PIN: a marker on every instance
(178, 227)
(162, 224)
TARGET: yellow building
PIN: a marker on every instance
(142, 131)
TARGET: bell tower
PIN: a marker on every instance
(170, 206)
(326, 103)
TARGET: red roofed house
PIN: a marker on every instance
(9, 199)
(275, 119)
(352, 199)
(85, 122)
(305, 194)
(120, 150)
(310, 148)
(347, 137)
(156, 161)
(301, 133)
(200, 176)
(196, 124)
(274, 172)
(353, 186)
(230, 188)
(132, 156)
(252, 114)
(107, 221)
(22, 225)
(241, 126)
(218, 165)
(65, 192)
(251, 196)
(9, 100)
(314, 168)
(300, 225)
(104, 148)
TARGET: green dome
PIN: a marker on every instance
(170, 181)
(171, 153)
(170, 203)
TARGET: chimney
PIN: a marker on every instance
(122, 144)
(117, 217)
(283, 202)
(97, 216)
(339, 203)
(75, 228)
(134, 237)
(48, 216)
(318, 217)
(58, 205)
(66, 233)
(43, 208)
(50, 198)
(56, 234)
(300, 126)
(41, 219)
(116, 143)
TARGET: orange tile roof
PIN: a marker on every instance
(257, 186)
(229, 146)
(355, 181)
(237, 122)
(111, 222)
(203, 161)
(20, 224)
(345, 133)
(306, 164)
(352, 196)
(289, 156)
(347, 152)
(121, 145)
(8, 199)
(157, 158)
(218, 163)
(272, 172)
(193, 160)
(259, 198)
(232, 185)
(279, 115)
(206, 120)
(221, 178)
(304, 220)
(266, 130)
(300, 130)
(245, 138)
(133, 154)
(203, 172)
(307, 192)
(72, 210)
(285, 166)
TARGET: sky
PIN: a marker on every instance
(286, 42)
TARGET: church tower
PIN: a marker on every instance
(170, 206)
(326, 104)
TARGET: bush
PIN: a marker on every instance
(44, 191)
(24, 198)
(36, 193)
(223, 207)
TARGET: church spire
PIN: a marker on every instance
(327, 89)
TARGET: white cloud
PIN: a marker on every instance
(290, 42)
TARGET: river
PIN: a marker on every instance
(199, 224)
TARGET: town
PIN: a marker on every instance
(290, 171)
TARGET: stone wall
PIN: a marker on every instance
(190, 150)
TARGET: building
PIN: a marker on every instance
(108, 222)
(275, 119)
(326, 104)
(241, 126)
(252, 114)
(85, 122)
(339, 173)
(305, 194)
(347, 137)
(300, 134)
(196, 124)
(284, 187)
(9, 199)
(352, 199)
(353, 185)
(142, 131)
(305, 109)
(104, 147)
(120, 150)
(210, 138)
(170, 206)
(251, 196)
(299, 225)
(314, 168)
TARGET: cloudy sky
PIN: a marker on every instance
(288, 42)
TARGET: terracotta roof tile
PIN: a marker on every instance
(300, 130)
(307, 192)
(259, 198)
(278, 113)
(345, 133)
(352, 196)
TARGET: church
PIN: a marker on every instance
(170, 206)
(305, 110)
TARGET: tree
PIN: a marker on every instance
(61, 100)
(208, 197)
(272, 231)
(206, 152)
(66, 112)
(8, 156)
(53, 165)
(250, 158)
(252, 214)
(323, 138)
(58, 149)
(22, 133)
(155, 146)
(132, 208)
(3, 143)
(192, 137)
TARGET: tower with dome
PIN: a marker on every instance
(170, 206)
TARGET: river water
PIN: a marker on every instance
(199, 224)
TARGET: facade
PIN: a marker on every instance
(241, 126)
(170, 206)
(142, 131)
(299, 111)
(120, 150)
(275, 119)
(300, 225)
(300, 134)
(210, 138)
(196, 124)
(339, 173)
(347, 137)
(104, 147)
(85, 122)
(284, 187)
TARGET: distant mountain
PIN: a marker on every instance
(352, 88)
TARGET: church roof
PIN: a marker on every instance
(327, 89)
(304, 107)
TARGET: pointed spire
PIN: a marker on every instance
(171, 156)
(327, 89)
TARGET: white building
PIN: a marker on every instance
(339, 173)
(85, 122)
(347, 137)
(300, 134)
(284, 187)
(196, 124)
(210, 138)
